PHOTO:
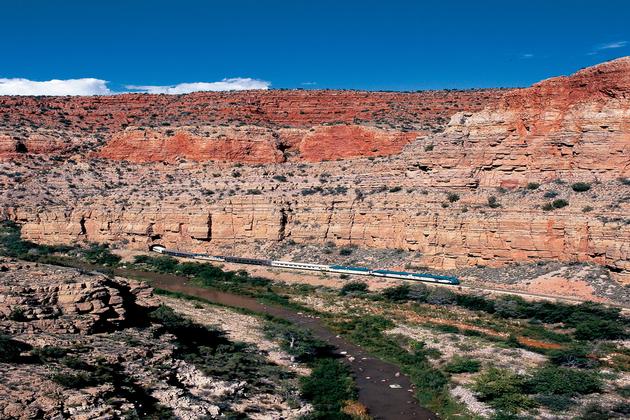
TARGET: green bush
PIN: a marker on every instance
(555, 402)
(533, 186)
(459, 364)
(581, 186)
(163, 263)
(100, 254)
(296, 341)
(599, 329)
(327, 387)
(493, 203)
(563, 381)
(502, 390)
(396, 293)
(354, 287)
(572, 356)
(475, 303)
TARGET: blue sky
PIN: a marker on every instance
(376, 45)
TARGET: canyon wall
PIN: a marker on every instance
(462, 178)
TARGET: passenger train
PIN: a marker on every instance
(424, 277)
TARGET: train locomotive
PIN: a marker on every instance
(405, 275)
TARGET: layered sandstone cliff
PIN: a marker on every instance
(478, 191)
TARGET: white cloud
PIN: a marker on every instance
(611, 45)
(236, 83)
(528, 55)
(87, 86)
(308, 83)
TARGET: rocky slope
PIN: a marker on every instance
(478, 190)
(79, 345)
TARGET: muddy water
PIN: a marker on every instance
(387, 393)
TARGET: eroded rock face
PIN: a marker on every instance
(66, 301)
(71, 123)
(252, 144)
(397, 185)
(566, 126)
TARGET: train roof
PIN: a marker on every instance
(341, 267)
(405, 273)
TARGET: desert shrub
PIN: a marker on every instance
(100, 254)
(395, 189)
(587, 209)
(280, 178)
(492, 202)
(599, 329)
(354, 287)
(555, 402)
(459, 364)
(509, 307)
(17, 314)
(446, 328)
(345, 251)
(441, 296)
(624, 181)
(572, 356)
(475, 303)
(48, 353)
(452, 197)
(74, 380)
(559, 203)
(296, 341)
(550, 194)
(396, 293)
(502, 390)
(555, 204)
(163, 263)
(541, 333)
(428, 147)
(581, 186)
(533, 185)
(563, 381)
(327, 387)
(418, 292)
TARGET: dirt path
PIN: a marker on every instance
(374, 377)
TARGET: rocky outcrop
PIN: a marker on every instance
(73, 346)
(576, 126)
(54, 301)
(252, 144)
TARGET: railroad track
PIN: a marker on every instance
(446, 281)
